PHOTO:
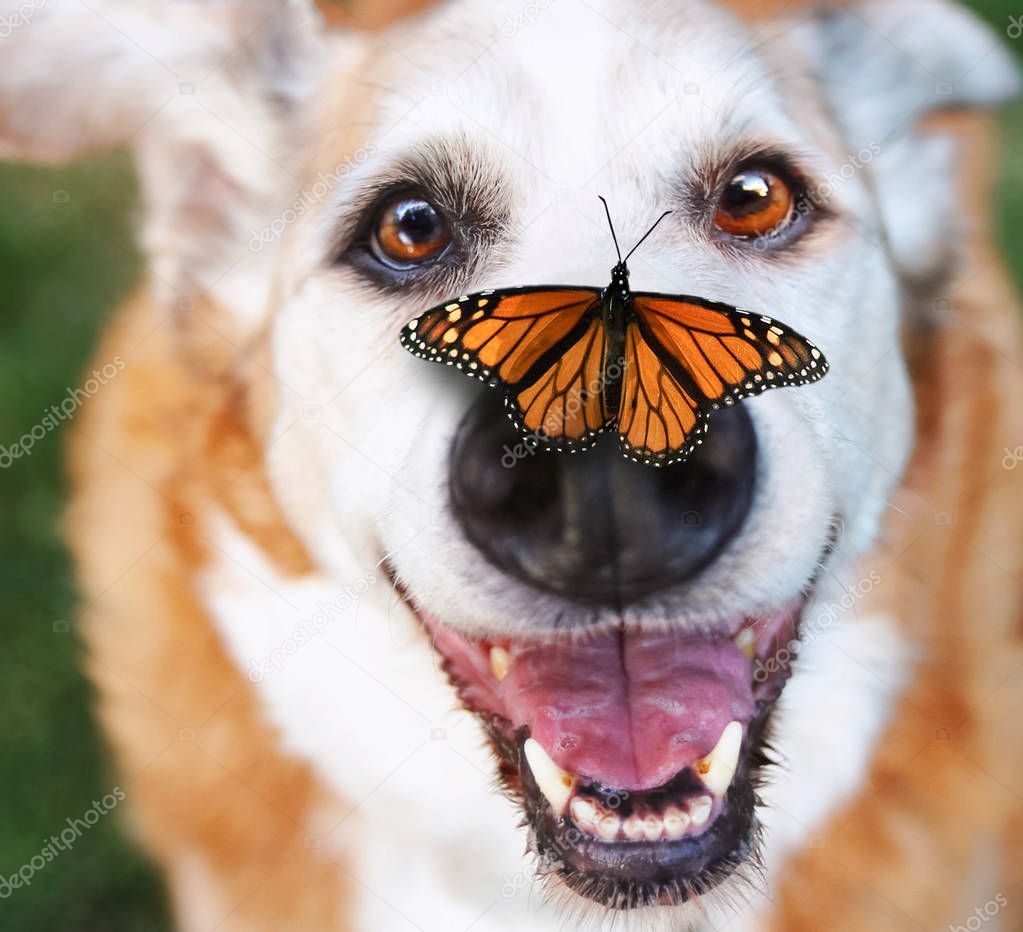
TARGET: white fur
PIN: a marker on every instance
(827, 722)
(374, 661)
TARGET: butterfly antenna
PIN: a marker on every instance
(645, 235)
(607, 210)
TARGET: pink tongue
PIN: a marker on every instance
(628, 710)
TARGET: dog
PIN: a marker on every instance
(367, 660)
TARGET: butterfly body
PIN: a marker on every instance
(575, 362)
(615, 307)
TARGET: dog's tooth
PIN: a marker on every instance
(746, 641)
(499, 662)
(584, 813)
(675, 822)
(556, 784)
(653, 828)
(699, 810)
(633, 828)
(717, 768)
(607, 827)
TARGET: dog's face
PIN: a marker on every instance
(616, 629)
(622, 635)
(602, 619)
(607, 622)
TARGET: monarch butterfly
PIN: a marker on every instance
(574, 362)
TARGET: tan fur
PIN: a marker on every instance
(204, 774)
(177, 433)
(201, 768)
(945, 787)
(369, 14)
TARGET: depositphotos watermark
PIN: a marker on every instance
(58, 413)
(1012, 458)
(312, 627)
(981, 915)
(308, 198)
(55, 845)
(521, 19)
(22, 16)
(813, 628)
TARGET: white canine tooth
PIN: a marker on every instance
(746, 641)
(584, 813)
(675, 822)
(499, 662)
(607, 827)
(699, 810)
(556, 784)
(652, 828)
(633, 828)
(718, 767)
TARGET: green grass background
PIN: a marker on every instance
(64, 263)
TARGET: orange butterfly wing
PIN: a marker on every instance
(545, 346)
(685, 358)
(658, 421)
(565, 405)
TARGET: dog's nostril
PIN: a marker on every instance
(593, 526)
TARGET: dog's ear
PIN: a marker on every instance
(79, 77)
(208, 96)
(885, 66)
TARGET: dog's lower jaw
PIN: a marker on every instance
(665, 826)
(386, 757)
(637, 874)
(633, 873)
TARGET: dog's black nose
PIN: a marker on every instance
(592, 526)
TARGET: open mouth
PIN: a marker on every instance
(634, 753)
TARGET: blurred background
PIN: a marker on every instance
(66, 258)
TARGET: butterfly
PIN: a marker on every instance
(575, 362)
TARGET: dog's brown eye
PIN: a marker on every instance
(754, 203)
(409, 230)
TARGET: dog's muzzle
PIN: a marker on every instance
(634, 750)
